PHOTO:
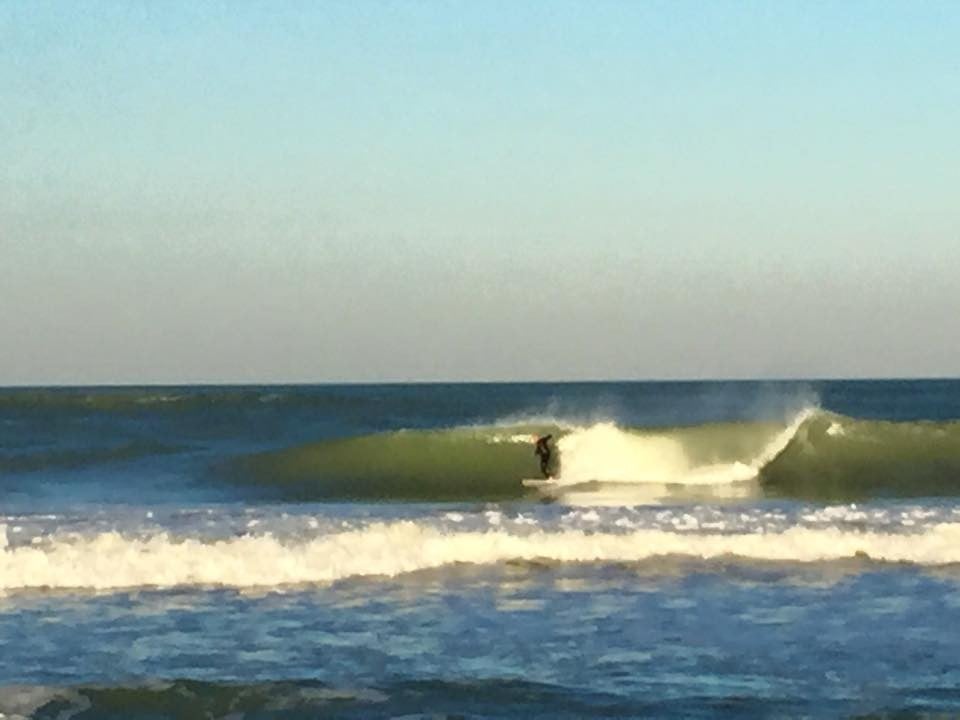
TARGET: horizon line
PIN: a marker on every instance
(425, 382)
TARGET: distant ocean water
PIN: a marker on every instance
(709, 549)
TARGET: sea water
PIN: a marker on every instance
(705, 550)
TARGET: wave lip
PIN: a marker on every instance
(838, 458)
(110, 561)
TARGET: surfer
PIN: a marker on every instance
(542, 450)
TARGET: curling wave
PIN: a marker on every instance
(489, 462)
(815, 455)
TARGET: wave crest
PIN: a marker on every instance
(111, 561)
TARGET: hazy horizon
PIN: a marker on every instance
(771, 381)
(197, 193)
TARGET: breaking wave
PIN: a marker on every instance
(110, 560)
(815, 455)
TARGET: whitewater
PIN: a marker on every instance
(275, 559)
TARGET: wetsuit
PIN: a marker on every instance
(542, 450)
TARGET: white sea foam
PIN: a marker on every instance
(19, 702)
(513, 438)
(607, 453)
(110, 560)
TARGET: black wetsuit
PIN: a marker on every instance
(542, 450)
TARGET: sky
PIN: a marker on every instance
(206, 192)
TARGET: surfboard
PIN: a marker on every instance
(539, 482)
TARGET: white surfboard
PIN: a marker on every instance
(539, 483)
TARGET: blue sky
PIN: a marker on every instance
(197, 192)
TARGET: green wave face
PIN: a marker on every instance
(484, 463)
(838, 458)
(819, 457)
(409, 465)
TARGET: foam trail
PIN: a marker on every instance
(110, 561)
(604, 452)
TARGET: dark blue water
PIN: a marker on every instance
(709, 550)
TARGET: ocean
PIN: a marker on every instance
(707, 549)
